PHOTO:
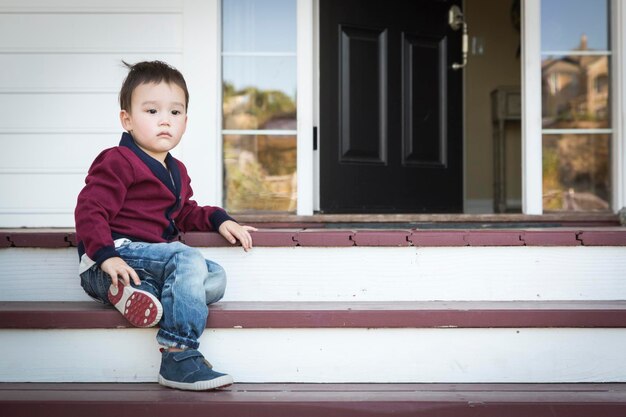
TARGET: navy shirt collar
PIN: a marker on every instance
(155, 166)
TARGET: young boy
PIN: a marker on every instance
(136, 200)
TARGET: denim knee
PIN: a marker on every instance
(215, 283)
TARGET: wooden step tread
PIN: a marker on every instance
(419, 314)
(314, 400)
(328, 237)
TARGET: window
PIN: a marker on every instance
(576, 128)
(259, 105)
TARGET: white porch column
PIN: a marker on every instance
(201, 147)
(531, 108)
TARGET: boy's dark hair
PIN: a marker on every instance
(147, 72)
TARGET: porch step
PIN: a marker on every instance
(417, 342)
(345, 306)
(363, 265)
(314, 400)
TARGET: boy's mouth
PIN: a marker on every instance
(166, 134)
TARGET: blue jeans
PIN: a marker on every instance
(176, 274)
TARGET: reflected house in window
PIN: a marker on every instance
(260, 169)
(576, 91)
(576, 165)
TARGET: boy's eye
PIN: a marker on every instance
(175, 112)
(151, 111)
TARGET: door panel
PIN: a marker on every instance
(390, 107)
(424, 135)
(363, 107)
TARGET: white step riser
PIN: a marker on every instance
(361, 273)
(326, 355)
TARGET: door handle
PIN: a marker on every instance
(456, 20)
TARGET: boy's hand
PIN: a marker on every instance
(234, 232)
(117, 267)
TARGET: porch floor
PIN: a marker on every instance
(312, 400)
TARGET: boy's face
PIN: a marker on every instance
(157, 118)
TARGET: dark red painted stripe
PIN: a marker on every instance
(381, 237)
(314, 400)
(339, 237)
(40, 239)
(494, 238)
(333, 238)
(551, 237)
(438, 238)
(603, 237)
(514, 314)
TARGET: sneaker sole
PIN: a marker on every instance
(140, 308)
(219, 382)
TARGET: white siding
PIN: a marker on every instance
(60, 74)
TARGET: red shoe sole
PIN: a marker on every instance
(140, 308)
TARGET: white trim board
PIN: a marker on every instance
(327, 355)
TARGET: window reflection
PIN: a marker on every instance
(259, 26)
(260, 173)
(575, 92)
(576, 172)
(564, 22)
(259, 93)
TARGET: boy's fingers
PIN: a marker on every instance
(242, 237)
(229, 236)
(247, 241)
(135, 277)
(124, 276)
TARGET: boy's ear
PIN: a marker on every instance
(126, 120)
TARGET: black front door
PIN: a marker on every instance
(390, 107)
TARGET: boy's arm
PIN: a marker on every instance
(193, 217)
(99, 201)
(208, 218)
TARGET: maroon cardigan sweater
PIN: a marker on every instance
(129, 194)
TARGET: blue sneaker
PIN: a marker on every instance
(188, 370)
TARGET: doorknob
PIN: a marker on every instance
(456, 20)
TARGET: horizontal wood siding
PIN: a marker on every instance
(61, 74)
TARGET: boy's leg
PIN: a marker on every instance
(175, 273)
(179, 273)
(141, 308)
